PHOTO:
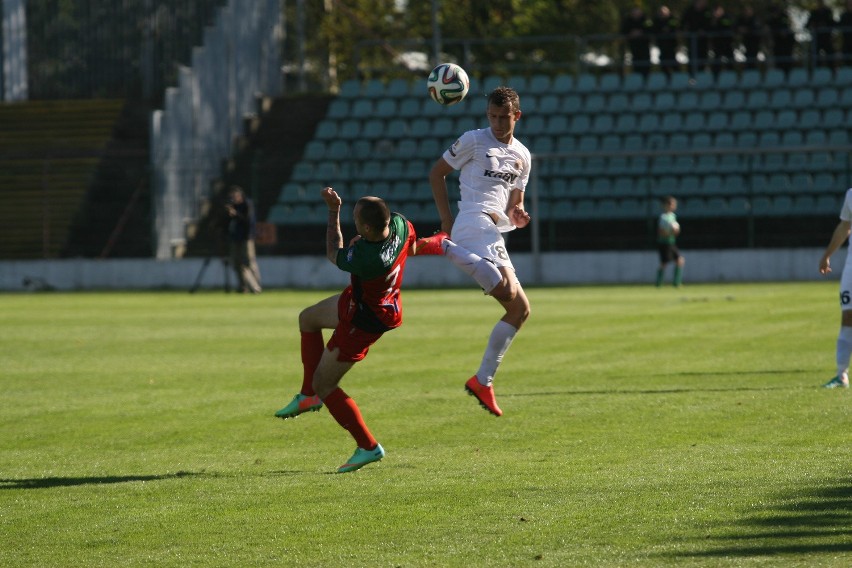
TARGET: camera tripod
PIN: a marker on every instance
(226, 268)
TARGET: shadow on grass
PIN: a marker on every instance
(48, 482)
(808, 522)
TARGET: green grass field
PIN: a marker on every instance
(642, 427)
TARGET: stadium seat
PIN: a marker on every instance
(586, 83)
(534, 125)
(656, 82)
(632, 142)
(350, 89)
(371, 129)
(741, 120)
(792, 138)
(746, 139)
(803, 98)
(664, 101)
(609, 82)
(750, 79)
(724, 140)
(734, 100)
(843, 77)
(633, 82)
(587, 143)
(802, 183)
(649, 123)
(625, 122)
(539, 84)
(618, 102)
(829, 204)
(610, 143)
(688, 101)
(641, 102)
(710, 100)
(827, 98)
(816, 138)
(798, 77)
(339, 108)
(398, 88)
(557, 124)
(786, 119)
(727, 79)
(314, 150)
(571, 103)
(580, 124)
(547, 104)
(563, 84)
(680, 81)
(594, 102)
(774, 78)
(671, 123)
(603, 123)
(808, 119)
(781, 99)
(694, 122)
(682, 163)
(757, 100)
(706, 163)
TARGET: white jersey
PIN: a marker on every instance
(846, 215)
(489, 171)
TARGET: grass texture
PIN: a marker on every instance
(642, 427)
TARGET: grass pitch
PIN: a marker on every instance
(642, 427)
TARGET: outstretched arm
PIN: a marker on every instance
(333, 234)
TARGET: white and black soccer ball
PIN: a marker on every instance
(448, 84)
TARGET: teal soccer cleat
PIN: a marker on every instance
(362, 457)
(300, 403)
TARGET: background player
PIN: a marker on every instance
(494, 170)
(668, 230)
(367, 308)
(844, 337)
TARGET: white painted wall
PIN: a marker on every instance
(707, 266)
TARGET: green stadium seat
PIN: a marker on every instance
(649, 123)
(594, 102)
(314, 150)
(824, 182)
(843, 77)
(360, 149)
(625, 122)
(534, 125)
(671, 122)
(361, 108)
(734, 100)
(563, 84)
(679, 81)
(802, 183)
(750, 79)
(557, 124)
(682, 163)
(385, 108)
(611, 143)
(740, 120)
(518, 82)
(373, 89)
(688, 101)
(601, 187)
(710, 100)
(803, 98)
(798, 77)
(609, 82)
(828, 204)
(618, 102)
(656, 82)
(774, 78)
(727, 79)
(717, 121)
(780, 99)
(543, 144)
(371, 129)
(350, 89)
(706, 163)
(828, 98)
(571, 103)
(566, 143)
(695, 122)
(792, 138)
(548, 104)
(326, 130)
(816, 138)
(632, 142)
(731, 164)
(746, 139)
(809, 118)
(786, 119)
(796, 162)
(846, 98)
(580, 124)
(733, 184)
(665, 101)
(350, 129)
(303, 172)
(701, 140)
(757, 100)
(763, 120)
(398, 88)
(539, 84)
(587, 143)
(641, 102)
(633, 82)
(586, 83)
(411, 107)
(339, 108)
(603, 123)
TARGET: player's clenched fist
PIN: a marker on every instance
(331, 198)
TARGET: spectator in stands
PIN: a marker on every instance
(668, 230)
(750, 31)
(241, 233)
(845, 26)
(636, 28)
(783, 38)
(723, 40)
(821, 24)
(843, 349)
(697, 23)
(665, 27)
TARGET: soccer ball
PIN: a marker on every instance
(448, 84)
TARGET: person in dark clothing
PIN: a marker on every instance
(723, 40)
(664, 29)
(697, 23)
(241, 233)
(821, 24)
(637, 28)
(845, 25)
(750, 31)
(783, 38)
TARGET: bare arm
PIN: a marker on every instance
(841, 233)
(333, 234)
(438, 180)
(515, 209)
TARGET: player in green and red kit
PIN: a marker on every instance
(668, 230)
(367, 308)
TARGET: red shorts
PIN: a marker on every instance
(352, 342)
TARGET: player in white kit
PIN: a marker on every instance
(844, 337)
(494, 170)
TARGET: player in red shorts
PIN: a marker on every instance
(367, 308)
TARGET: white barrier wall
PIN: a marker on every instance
(710, 266)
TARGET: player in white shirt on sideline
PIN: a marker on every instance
(494, 170)
(844, 337)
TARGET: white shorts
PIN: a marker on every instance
(477, 232)
(846, 289)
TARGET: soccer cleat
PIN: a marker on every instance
(840, 381)
(300, 403)
(485, 395)
(431, 245)
(362, 457)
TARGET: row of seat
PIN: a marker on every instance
(423, 213)
(614, 82)
(547, 104)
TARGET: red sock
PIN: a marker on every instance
(312, 348)
(346, 412)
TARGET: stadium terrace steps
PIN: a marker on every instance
(50, 153)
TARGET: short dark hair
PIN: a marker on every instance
(502, 96)
(374, 212)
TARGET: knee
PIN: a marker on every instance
(505, 291)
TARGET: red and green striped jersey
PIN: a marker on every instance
(377, 269)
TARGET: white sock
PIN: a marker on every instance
(484, 272)
(498, 343)
(844, 349)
